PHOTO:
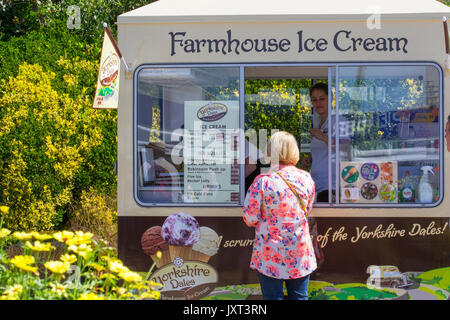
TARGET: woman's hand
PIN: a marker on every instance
(316, 133)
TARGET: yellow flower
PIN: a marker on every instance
(159, 254)
(117, 266)
(156, 295)
(59, 289)
(57, 266)
(82, 250)
(150, 295)
(41, 236)
(152, 284)
(130, 276)
(97, 267)
(108, 276)
(6, 296)
(38, 246)
(80, 238)
(68, 258)
(63, 236)
(84, 235)
(4, 233)
(107, 258)
(139, 286)
(123, 293)
(90, 296)
(12, 292)
(120, 291)
(22, 235)
(4, 209)
(23, 262)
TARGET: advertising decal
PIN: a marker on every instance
(107, 92)
(181, 250)
(365, 259)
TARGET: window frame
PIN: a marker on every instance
(333, 67)
(135, 136)
(441, 138)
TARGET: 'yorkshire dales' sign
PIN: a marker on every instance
(342, 41)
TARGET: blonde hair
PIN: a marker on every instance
(282, 148)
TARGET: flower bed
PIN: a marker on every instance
(66, 265)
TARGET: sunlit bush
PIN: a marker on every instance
(97, 213)
(46, 140)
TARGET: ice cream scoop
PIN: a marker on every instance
(180, 229)
(152, 242)
(208, 243)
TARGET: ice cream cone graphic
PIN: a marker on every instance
(200, 256)
(206, 246)
(183, 252)
(350, 173)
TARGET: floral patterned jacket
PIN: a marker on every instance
(283, 248)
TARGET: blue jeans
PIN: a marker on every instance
(272, 288)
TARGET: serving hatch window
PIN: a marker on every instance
(387, 151)
(187, 147)
(392, 114)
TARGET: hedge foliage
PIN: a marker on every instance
(46, 140)
(57, 154)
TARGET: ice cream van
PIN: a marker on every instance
(208, 82)
(387, 276)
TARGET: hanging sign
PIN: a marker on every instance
(107, 93)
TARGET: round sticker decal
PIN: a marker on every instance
(386, 174)
(369, 191)
(370, 171)
(388, 193)
(350, 193)
(350, 174)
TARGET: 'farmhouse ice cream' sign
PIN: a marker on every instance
(300, 42)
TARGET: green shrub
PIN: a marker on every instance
(96, 213)
(78, 78)
(45, 138)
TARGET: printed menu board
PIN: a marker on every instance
(369, 182)
(211, 151)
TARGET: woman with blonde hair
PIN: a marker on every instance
(277, 205)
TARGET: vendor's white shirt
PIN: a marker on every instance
(319, 153)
